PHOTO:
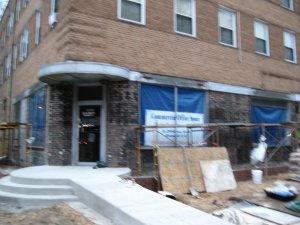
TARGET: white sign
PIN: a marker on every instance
(171, 136)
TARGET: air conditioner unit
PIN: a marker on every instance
(53, 19)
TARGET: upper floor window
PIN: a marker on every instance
(25, 3)
(132, 10)
(10, 24)
(24, 45)
(289, 4)
(18, 9)
(37, 27)
(1, 74)
(261, 32)
(289, 40)
(227, 27)
(15, 56)
(7, 66)
(185, 17)
(54, 6)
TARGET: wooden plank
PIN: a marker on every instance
(173, 170)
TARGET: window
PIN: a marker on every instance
(261, 32)
(36, 116)
(18, 8)
(7, 66)
(185, 17)
(37, 27)
(289, 4)
(289, 40)
(1, 74)
(25, 3)
(15, 55)
(10, 24)
(132, 10)
(54, 6)
(227, 27)
(24, 45)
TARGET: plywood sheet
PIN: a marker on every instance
(217, 175)
(173, 170)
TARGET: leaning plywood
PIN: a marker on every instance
(173, 169)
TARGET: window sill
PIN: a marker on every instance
(132, 21)
(185, 34)
(291, 62)
(228, 45)
(262, 54)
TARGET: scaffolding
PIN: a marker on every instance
(209, 136)
(13, 144)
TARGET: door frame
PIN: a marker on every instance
(75, 125)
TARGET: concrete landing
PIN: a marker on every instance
(123, 202)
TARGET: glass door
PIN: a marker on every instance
(89, 133)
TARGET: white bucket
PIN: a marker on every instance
(257, 176)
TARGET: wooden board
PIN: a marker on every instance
(217, 175)
(173, 170)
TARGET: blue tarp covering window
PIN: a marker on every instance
(163, 98)
(162, 105)
(266, 114)
(36, 116)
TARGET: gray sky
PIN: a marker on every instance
(2, 6)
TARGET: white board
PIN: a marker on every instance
(271, 215)
(217, 175)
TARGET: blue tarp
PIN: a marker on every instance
(262, 114)
(162, 98)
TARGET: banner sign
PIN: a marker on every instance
(170, 136)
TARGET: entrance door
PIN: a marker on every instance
(89, 133)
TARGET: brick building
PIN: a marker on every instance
(86, 73)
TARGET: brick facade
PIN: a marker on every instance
(58, 144)
(122, 118)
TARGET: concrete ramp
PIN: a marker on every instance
(122, 201)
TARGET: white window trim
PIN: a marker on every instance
(234, 30)
(143, 13)
(37, 27)
(193, 19)
(267, 38)
(294, 49)
(292, 5)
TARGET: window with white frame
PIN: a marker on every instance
(185, 17)
(7, 66)
(37, 27)
(289, 40)
(261, 32)
(54, 6)
(289, 4)
(15, 56)
(25, 3)
(24, 45)
(132, 10)
(227, 27)
(18, 9)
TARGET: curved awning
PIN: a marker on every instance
(83, 72)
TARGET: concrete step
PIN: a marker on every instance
(38, 181)
(34, 200)
(7, 185)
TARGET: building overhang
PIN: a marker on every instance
(75, 72)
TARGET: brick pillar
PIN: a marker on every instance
(59, 124)
(122, 118)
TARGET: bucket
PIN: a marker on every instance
(257, 176)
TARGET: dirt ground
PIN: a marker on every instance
(209, 202)
(61, 214)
